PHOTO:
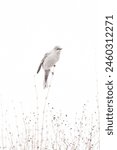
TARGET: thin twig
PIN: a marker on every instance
(98, 110)
(46, 97)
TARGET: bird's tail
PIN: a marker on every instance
(39, 68)
(45, 84)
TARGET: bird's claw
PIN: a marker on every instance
(52, 73)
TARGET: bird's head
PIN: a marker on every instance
(57, 48)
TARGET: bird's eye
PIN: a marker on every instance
(58, 48)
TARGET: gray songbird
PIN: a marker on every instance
(49, 61)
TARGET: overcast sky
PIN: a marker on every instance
(29, 29)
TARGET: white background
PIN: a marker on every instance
(28, 29)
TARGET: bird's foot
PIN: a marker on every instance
(52, 73)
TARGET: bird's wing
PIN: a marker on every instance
(42, 62)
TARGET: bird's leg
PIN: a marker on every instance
(53, 69)
(52, 72)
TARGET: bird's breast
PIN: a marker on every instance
(50, 61)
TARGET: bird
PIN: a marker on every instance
(49, 60)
